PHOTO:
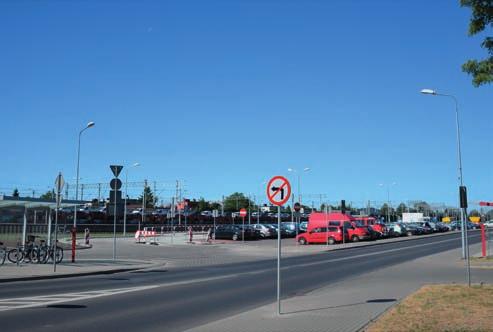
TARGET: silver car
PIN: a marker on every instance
(264, 230)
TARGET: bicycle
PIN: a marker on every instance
(3, 253)
(27, 253)
(46, 253)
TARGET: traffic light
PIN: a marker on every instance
(343, 206)
(463, 197)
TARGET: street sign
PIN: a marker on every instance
(243, 212)
(116, 169)
(485, 203)
(278, 190)
(115, 184)
(215, 213)
(297, 207)
(59, 183)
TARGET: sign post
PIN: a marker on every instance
(59, 183)
(243, 213)
(278, 192)
(297, 208)
(115, 185)
(215, 214)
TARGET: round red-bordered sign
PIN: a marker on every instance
(243, 212)
(278, 190)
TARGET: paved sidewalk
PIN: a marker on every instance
(27, 271)
(351, 304)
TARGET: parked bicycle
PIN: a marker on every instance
(27, 253)
(3, 253)
(46, 253)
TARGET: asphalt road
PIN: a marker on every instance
(180, 298)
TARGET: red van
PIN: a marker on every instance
(318, 223)
(330, 235)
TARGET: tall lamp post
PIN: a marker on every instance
(89, 125)
(388, 198)
(306, 169)
(126, 196)
(463, 213)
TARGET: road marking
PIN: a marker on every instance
(368, 254)
(46, 300)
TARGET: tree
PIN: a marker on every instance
(236, 201)
(401, 208)
(385, 211)
(49, 195)
(482, 17)
(422, 207)
(203, 205)
(150, 200)
(15, 193)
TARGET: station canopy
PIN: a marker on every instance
(31, 202)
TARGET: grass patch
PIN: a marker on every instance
(448, 308)
(482, 259)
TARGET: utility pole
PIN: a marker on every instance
(99, 193)
(143, 203)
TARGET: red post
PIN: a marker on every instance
(74, 237)
(483, 241)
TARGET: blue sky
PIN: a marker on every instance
(226, 93)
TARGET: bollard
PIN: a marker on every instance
(74, 238)
(483, 241)
(190, 234)
(87, 235)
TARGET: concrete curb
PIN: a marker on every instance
(80, 274)
(403, 239)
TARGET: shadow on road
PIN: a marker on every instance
(340, 306)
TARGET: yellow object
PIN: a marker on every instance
(475, 219)
(445, 219)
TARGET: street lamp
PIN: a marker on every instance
(388, 198)
(89, 125)
(465, 252)
(126, 196)
(306, 169)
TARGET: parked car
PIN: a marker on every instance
(414, 229)
(442, 227)
(427, 228)
(378, 229)
(303, 226)
(396, 229)
(457, 225)
(489, 223)
(330, 235)
(289, 229)
(284, 232)
(265, 232)
(234, 232)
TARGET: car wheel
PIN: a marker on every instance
(331, 240)
(409, 233)
(302, 241)
(235, 237)
(355, 238)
